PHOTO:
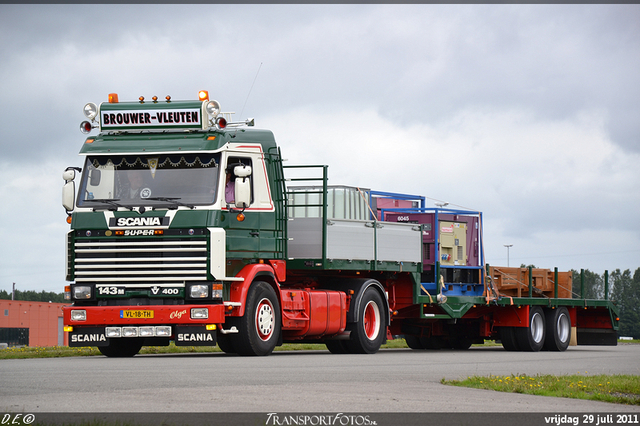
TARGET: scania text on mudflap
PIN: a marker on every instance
(187, 227)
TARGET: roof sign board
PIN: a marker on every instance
(132, 116)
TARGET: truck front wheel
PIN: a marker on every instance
(259, 328)
(122, 347)
(370, 331)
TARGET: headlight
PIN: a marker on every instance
(199, 291)
(129, 331)
(199, 313)
(163, 330)
(147, 331)
(79, 315)
(82, 292)
(113, 331)
(90, 110)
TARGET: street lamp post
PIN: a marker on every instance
(508, 246)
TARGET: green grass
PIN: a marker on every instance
(620, 389)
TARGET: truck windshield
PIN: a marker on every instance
(159, 180)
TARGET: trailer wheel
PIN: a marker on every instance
(531, 338)
(558, 332)
(508, 338)
(121, 347)
(371, 329)
(259, 328)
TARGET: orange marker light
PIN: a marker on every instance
(203, 95)
(69, 219)
(113, 98)
(240, 217)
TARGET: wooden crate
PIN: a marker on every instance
(514, 282)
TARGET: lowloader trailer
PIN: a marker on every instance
(188, 228)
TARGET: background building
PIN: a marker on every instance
(31, 323)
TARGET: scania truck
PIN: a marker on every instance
(186, 227)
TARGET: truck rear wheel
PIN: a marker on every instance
(259, 328)
(370, 331)
(337, 346)
(558, 332)
(413, 342)
(531, 338)
(121, 347)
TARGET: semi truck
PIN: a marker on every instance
(189, 228)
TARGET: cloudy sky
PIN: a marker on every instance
(528, 113)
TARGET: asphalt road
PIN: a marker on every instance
(395, 380)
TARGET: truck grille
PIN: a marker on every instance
(140, 262)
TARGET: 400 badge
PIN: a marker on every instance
(153, 291)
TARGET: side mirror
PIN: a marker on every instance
(242, 186)
(69, 188)
(69, 175)
(69, 195)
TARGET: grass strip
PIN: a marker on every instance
(64, 351)
(619, 389)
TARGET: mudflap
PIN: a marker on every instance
(194, 336)
(88, 336)
(597, 336)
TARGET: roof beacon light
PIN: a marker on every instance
(90, 111)
(113, 98)
(203, 95)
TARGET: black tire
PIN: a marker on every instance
(558, 329)
(225, 343)
(413, 342)
(508, 338)
(259, 328)
(433, 343)
(370, 332)
(123, 347)
(460, 343)
(531, 338)
(337, 347)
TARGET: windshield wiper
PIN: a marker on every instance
(111, 202)
(171, 200)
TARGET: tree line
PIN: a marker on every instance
(34, 296)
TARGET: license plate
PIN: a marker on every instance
(136, 314)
